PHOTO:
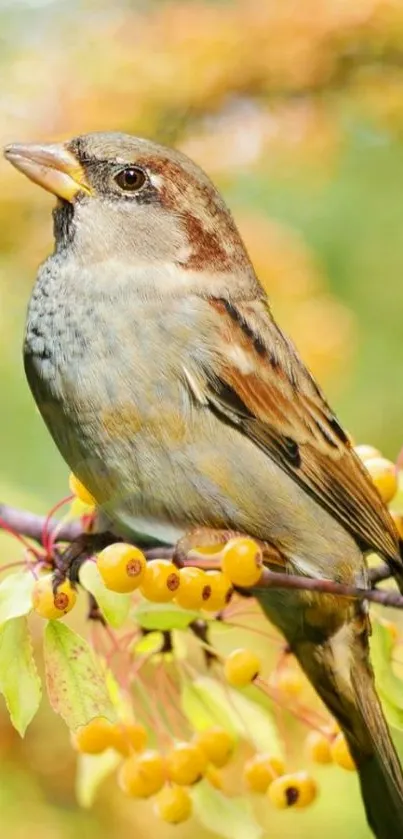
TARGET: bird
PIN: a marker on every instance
(155, 360)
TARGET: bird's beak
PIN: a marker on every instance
(51, 165)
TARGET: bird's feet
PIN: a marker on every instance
(202, 541)
(68, 562)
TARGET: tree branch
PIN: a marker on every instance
(379, 573)
(272, 579)
(32, 526)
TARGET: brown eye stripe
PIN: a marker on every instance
(213, 237)
(205, 245)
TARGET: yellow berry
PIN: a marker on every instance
(122, 567)
(341, 754)
(216, 744)
(241, 667)
(191, 593)
(78, 489)
(242, 562)
(398, 520)
(261, 770)
(318, 747)
(383, 474)
(293, 790)
(95, 737)
(217, 592)
(136, 735)
(214, 777)
(143, 775)
(52, 605)
(186, 764)
(289, 680)
(161, 581)
(173, 805)
(129, 737)
(365, 452)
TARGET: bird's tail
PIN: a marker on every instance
(340, 672)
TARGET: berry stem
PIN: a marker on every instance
(154, 720)
(11, 565)
(49, 533)
(4, 525)
(169, 702)
(301, 713)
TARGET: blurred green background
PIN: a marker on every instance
(296, 111)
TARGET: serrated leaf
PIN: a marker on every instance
(19, 681)
(207, 702)
(92, 770)
(114, 607)
(162, 616)
(231, 818)
(75, 677)
(15, 595)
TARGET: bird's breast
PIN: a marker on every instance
(107, 380)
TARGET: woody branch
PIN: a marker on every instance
(32, 526)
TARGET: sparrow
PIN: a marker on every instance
(153, 355)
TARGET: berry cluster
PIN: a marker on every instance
(146, 772)
(123, 568)
(166, 764)
(265, 774)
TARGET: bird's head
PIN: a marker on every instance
(131, 199)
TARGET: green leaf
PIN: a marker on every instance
(231, 818)
(389, 686)
(202, 710)
(15, 595)
(92, 770)
(114, 607)
(393, 714)
(75, 677)
(19, 680)
(149, 643)
(162, 616)
(207, 702)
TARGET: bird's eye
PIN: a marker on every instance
(130, 179)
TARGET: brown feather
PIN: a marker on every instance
(262, 386)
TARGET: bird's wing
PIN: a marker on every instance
(257, 382)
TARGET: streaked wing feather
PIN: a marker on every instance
(260, 385)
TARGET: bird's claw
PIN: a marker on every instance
(68, 562)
